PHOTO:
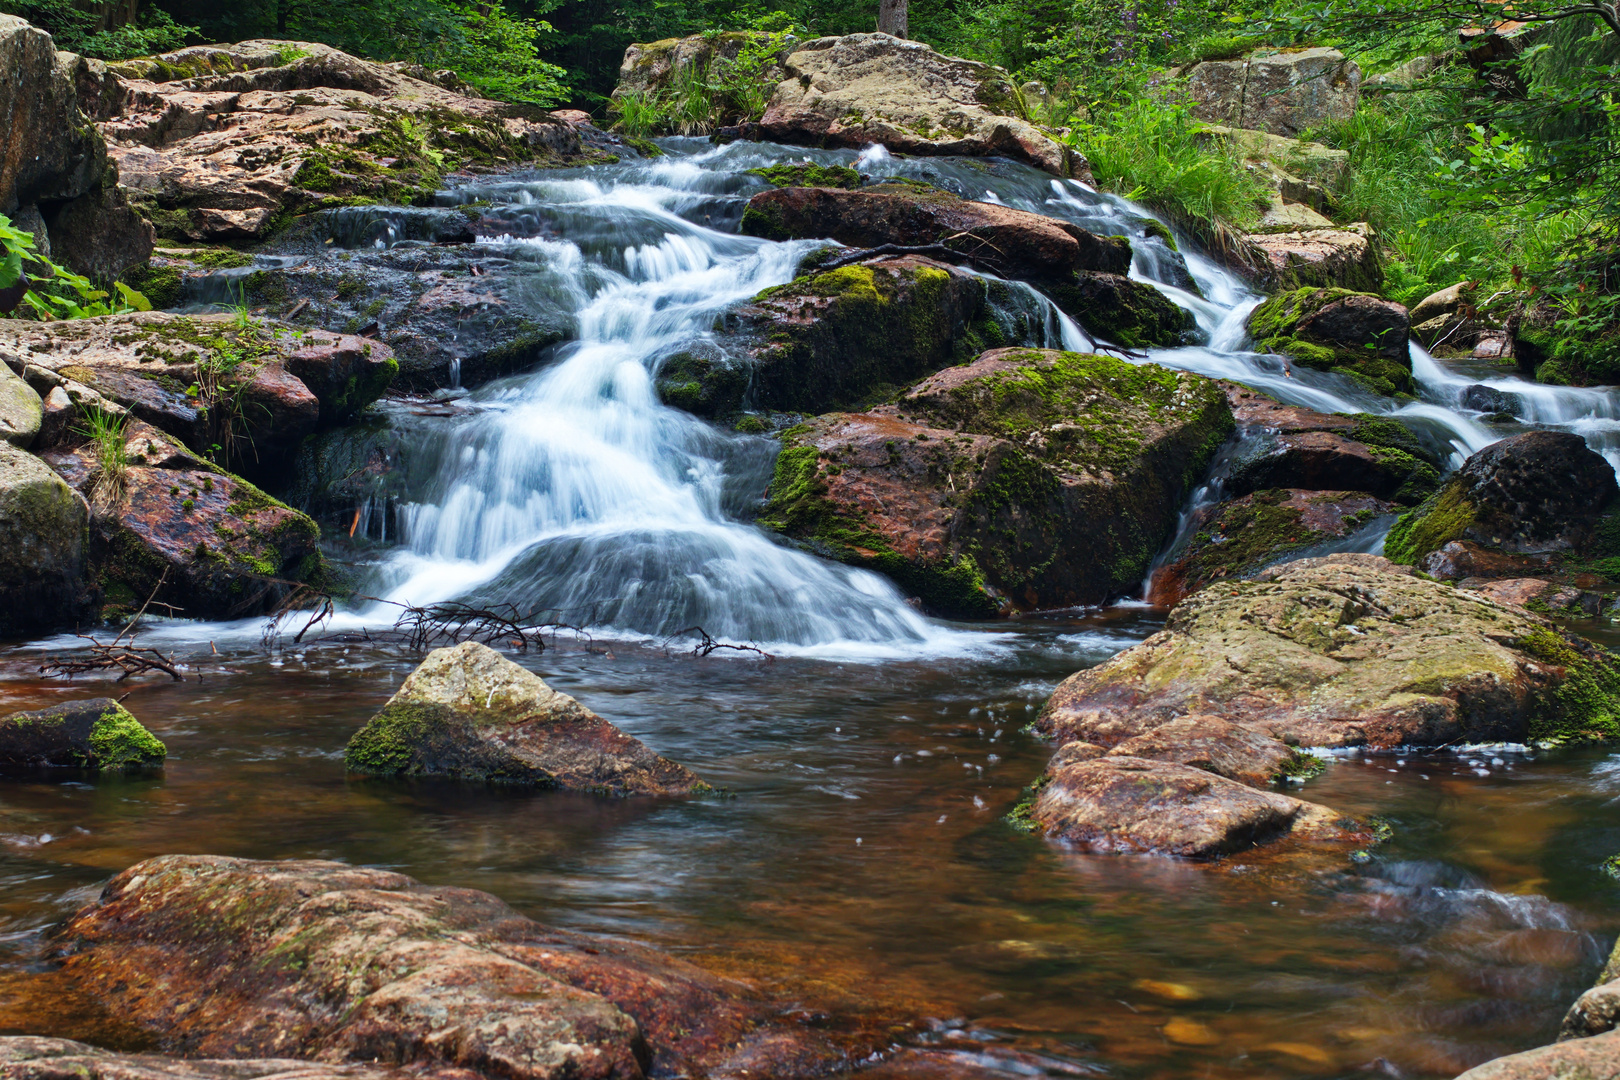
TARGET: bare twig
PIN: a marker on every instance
(128, 659)
(317, 603)
(707, 644)
(131, 626)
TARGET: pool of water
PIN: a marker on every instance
(861, 858)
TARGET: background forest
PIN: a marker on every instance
(1501, 173)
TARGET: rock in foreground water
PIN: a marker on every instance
(1597, 1058)
(31, 1057)
(468, 712)
(94, 734)
(218, 957)
(1344, 651)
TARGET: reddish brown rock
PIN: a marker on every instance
(24, 1057)
(1213, 745)
(1345, 257)
(1327, 461)
(1462, 559)
(214, 957)
(1597, 1058)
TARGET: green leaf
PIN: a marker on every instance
(132, 298)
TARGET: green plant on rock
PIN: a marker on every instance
(52, 291)
(105, 432)
(1585, 705)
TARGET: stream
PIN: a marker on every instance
(864, 862)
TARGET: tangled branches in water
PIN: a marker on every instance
(706, 644)
(118, 656)
(454, 622)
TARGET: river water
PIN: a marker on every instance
(863, 862)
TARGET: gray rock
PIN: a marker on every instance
(468, 712)
(1281, 92)
(21, 410)
(1491, 400)
(43, 526)
(1597, 1058)
(31, 1057)
(1593, 1013)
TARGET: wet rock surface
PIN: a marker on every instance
(874, 88)
(468, 712)
(1027, 479)
(1334, 329)
(1214, 745)
(1328, 460)
(25, 1057)
(1343, 651)
(218, 546)
(97, 734)
(43, 545)
(1597, 1058)
(214, 957)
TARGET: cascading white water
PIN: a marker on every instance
(574, 490)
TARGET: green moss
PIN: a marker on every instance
(388, 744)
(1442, 518)
(1274, 326)
(765, 224)
(218, 258)
(118, 741)
(160, 284)
(809, 175)
(1586, 703)
(1022, 816)
(1300, 766)
(1153, 228)
(750, 425)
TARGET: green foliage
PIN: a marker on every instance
(729, 83)
(53, 291)
(76, 27)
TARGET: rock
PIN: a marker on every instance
(54, 166)
(1337, 330)
(28, 1057)
(1215, 746)
(873, 88)
(838, 338)
(42, 545)
(1594, 1012)
(1597, 1058)
(1535, 493)
(1463, 559)
(94, 734)
(1447, 301)
(221, 547)
(216, 957)
(1127, 804)
(1538, 594)
(470, 713)
(225, 143)
(21, 410)
(1328, 461)
(1279, 92)
(1283, 216)
(1343, 651)
(1244, 535)
(651, 68)
(254, 390)
(1027, 479)
(1488, 399)
(807, 174)
(1083, 273)
(1344, 257)
(1285, 161)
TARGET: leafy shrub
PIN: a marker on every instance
(53, 291)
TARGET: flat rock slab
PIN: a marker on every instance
(1345, 651)
(1282, 93)
(27, 1057)
(1344, 257)
(1213, 745)
(468, 712)
(336, 965)
(1127, 804)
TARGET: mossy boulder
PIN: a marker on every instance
(1349, 650)
(166, 523)
(1245, 535)
(808, 174)
(1122, 311)
(469, 713)
(95, 734)
(853, 336)
(1537, 493)
(1337, 330)
(705, 381)
(1028, 479)
(21, 410)
(43, 545)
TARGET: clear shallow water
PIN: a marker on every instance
(864, 858)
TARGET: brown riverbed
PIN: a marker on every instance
(862, 860)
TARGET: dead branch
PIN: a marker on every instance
(129, 659)
(454, 622)
(707, 644)
(303, 600)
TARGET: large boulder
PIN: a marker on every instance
(212, 957)
(468, 712)
(1343, 651)
(54, 168)
(225, 143)
(1281, 92)
(21, 410)
(650, 69)
(874, 88)
(1027, 479)
(43, 544)
(1330, 329)
(1597, 1058)
(1243, 536)
(840, 338)
(1536, 493)
(170, 525)
(95, 734)
(1341, 257)
(1083, 273)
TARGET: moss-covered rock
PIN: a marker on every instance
(21, 410)
(1125, 312)
(703, 381)
(808, 174)
(1027, 479)
(468, 712)
(95, 734)
(1337, 330)
(43, 545)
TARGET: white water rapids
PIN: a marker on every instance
(572, 489)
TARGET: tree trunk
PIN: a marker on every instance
(892, 17)
(110, 14)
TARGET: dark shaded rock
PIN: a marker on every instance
(1488, 399)
(706, 382)
(99, 234)
(1334, 329)
(344, 372)
(94, 734)
(1244, 535)
(1328, 461)
(42, 545)
(1348, 650)
(1535, 493)
(29, 1057)
(1126, 804)
(221, 547)
(1027, 479)
(1597, 1058)
(1125, 312)
(1213, 745)
(468, 712)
